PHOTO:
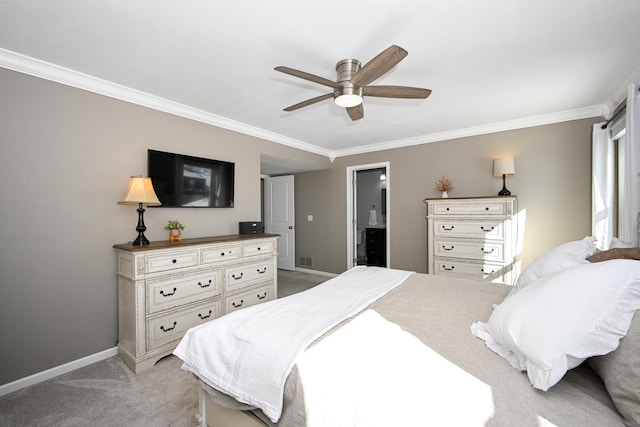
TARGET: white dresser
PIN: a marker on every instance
(165, 288)
(474, 238)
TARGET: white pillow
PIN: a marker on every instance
(560, 258)
(560, 320)
(619, 244)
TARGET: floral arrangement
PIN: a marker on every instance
(444, 184)
(174, 224)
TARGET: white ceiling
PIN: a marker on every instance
(492, 65)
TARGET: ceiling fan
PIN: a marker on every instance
(353, 81)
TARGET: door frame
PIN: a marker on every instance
(351, 214)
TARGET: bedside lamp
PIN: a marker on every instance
(503, 167)
(140, 192)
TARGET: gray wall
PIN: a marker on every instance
(65, 160)
(552, 182)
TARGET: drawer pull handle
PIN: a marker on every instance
(237, 305)
(170, 328)
(448, 209)
(204, 317)
(487, 252)
(261, 272)
(174, 261)
(237, 278)
(486, 209)
(263, 296)
(448, 249)
(449, 268)
(168, 294)
(204, 286)
(259, 248)
(221, 253)
(487, 271)
(444, 227)
(487, 229)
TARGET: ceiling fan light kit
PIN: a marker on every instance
(352, 82)
(347, 95)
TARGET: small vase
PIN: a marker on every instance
(175, 234)
(445, 195)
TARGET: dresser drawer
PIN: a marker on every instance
(489, 207)
(249, 298)
(221, 253)
(173, 291)
(481, 250)
(470, 270)
(248, 274)
(258, 248)
(469, 229)
(170, 327)
(171, 261)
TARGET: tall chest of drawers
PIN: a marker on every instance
(165, 288)
(473, 238)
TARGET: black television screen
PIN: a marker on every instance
(191, 182)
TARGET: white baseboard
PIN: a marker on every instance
(319, 273)
(56, 371)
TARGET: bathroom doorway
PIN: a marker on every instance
(368, 215)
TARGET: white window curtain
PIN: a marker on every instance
(630, 188)
(602, 186)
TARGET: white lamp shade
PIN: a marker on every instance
(504, 166)
(140, 190)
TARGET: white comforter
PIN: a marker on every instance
(248, 354)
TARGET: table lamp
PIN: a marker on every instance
(503, 167)
(140, 192)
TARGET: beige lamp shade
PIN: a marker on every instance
(140, 190)
(504, 166)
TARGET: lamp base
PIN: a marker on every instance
(141, 239)
(504, 191)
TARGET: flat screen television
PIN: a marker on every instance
(190, 182)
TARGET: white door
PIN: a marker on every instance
(279, 217)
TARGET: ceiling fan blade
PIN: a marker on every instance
(396, 92)
(309, 102)
(307, 76)
(379, 65)
(356, 113)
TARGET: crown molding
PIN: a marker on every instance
(546, 119)
(620, 96)
(48, 71)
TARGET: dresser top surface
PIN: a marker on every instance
(445, 199)
(166, 244)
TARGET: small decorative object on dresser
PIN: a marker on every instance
(175, 228)
(444, 185)
(473, 238)
(165, 288)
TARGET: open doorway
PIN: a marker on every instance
(368, 222)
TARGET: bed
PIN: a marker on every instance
(434, 350)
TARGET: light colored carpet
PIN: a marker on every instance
(292, 282)
(108, 394)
